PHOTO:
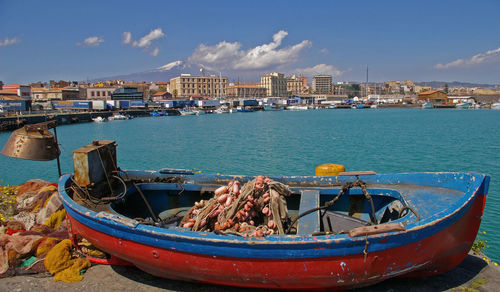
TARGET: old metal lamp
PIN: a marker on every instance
(34, 142)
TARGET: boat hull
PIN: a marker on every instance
(283, 264)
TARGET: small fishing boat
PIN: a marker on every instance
(117, 117)
(273, 107)
(463, 105)
(221, 110)
(99, 119)
(427, 105)
(188, 112)
(297, 107)
(156, 113)
(496, 105)
(344, 231)
(244, 109)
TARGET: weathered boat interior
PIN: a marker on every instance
(311, 210)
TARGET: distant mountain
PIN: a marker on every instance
(440, 84)
(163, 73)
(174, 69)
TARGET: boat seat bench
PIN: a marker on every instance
(308, 224)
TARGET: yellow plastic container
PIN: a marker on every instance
(329, 169)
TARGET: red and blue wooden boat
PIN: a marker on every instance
(432, 232)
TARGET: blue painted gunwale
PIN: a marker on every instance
(291, 246)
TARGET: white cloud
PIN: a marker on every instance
(155, 52)
(222, 55)
(320, 69)
(127, 37)
(146, 40)
(91, 42)
(488, 56)
(8, 42)
(226, 55)
(324, 51)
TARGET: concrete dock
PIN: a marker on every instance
(14, 122)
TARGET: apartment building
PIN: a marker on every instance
(187, 85)
(246, 90)
(97, 93)
(322, 84)
(23, 91)
(275, 84)
(296, 84)
(48, 94)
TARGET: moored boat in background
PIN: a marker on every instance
(117, 117)
(463, 105)
(99, 119)
(428, 105)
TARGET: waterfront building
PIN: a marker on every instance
(275, 84)
(435, 96)
(186, 85)
(296, 85)
(23, 91)
(127, 93)
(97, 93)
(322, 84)
(461, 99)
(142, 87)
(246, 90)
(41, 94)
(161, 95)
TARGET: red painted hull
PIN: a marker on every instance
(436, 254)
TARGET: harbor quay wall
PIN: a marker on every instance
(10, 123)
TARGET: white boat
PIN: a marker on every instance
(297, 108)
(187, 112)
(427, 105)
(99, 119)
(496, 105)
(222, 110)
(117, 117)
(463, 105)
(374, 106)
(273, 107)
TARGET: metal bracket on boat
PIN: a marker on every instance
(356, 173)
(119, 219)
(376, 229)
(176, 171)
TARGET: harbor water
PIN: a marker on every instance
(294, 143)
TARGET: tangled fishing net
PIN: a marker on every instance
(258, 209)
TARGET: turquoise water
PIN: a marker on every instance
(294, 143)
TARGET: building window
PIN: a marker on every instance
(92, 93)
(98, 93)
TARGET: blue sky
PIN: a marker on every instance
(398, 40)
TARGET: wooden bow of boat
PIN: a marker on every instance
(425, 223)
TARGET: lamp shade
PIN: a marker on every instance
(32, 142)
